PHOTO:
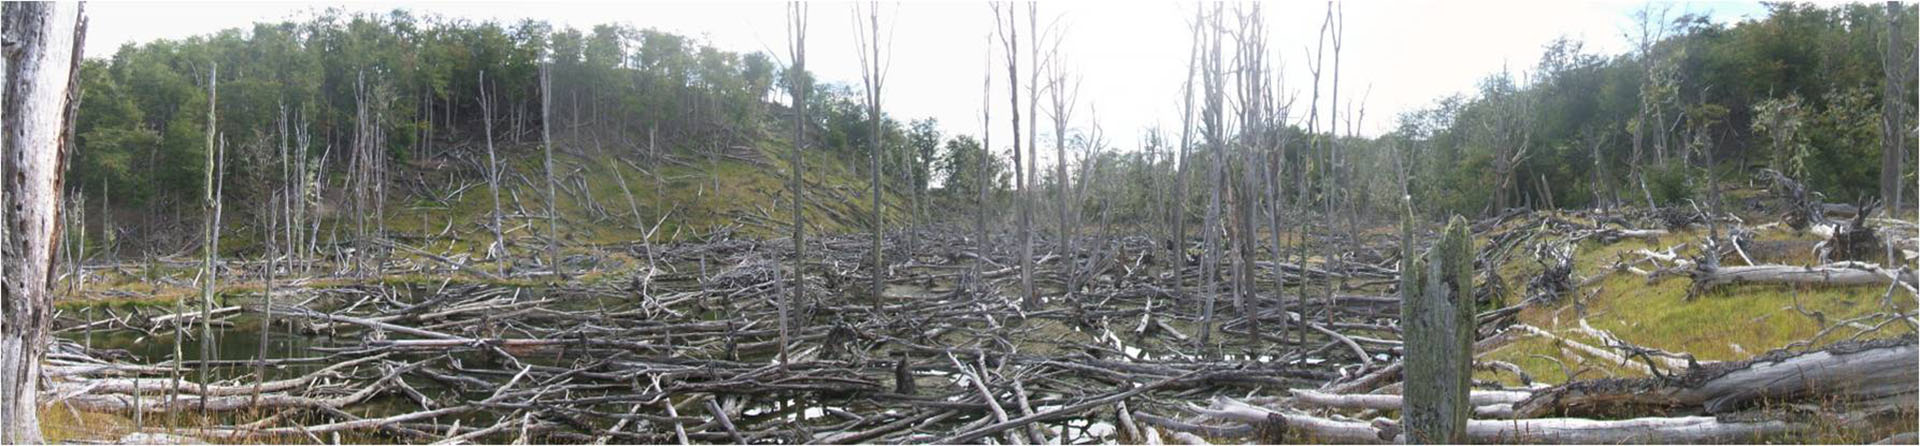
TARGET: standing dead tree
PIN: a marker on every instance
(1276, 208)
(299, 196)
(797, 86)
(546, 146)
(1509, 131)
(266, 296)
(1177, 242)
(210, 245)
(986, 158)
(1309, 159)
(873, 73)
(1250, 75)
(366, 173)
(1651, 27)
(1008, 27)
(497, 250)
(1895, 63)
(41, 59)
(1213, 120)
(1064, 98)
(1331, 189)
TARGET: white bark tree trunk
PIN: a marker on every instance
(43, 51)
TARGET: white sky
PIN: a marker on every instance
(1131, 56)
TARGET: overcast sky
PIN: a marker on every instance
(1131, 56)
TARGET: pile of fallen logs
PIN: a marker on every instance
(686, 347)
(1737, 402)
(686, 352)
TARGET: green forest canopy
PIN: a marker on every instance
(1799, 91)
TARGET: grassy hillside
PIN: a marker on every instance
(745, 191)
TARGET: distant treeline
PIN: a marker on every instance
(1799, 91)
(141, 124)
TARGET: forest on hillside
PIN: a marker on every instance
(1800, 87)
(410, 227)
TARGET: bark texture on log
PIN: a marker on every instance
(1675, 430)
(1437, 313)
(1843, 273)
(1881, 374)
(42, 52)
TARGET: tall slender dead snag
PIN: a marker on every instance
(1009, 29)
(1177, 242)
(546, 145)
(797, 89)
(498, 250)
(1213, 120)
(873, 73)
(210, 246)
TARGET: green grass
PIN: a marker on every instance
(1727, 324)
(698, 205)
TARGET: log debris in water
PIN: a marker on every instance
(686, 355)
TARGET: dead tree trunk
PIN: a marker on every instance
(985, 154)
(266, 324)
(1213, 121)
(797, 89)
(546, 145)
(1253, 99)
(210, 247)
(1064, 101)
(498, 250)
(41, 58)
(1009, 29)
(1330, 188)
(1436, 300)
(873, 72)
(1033, 148)
(1869, 375)
(1177, 242)
(1893, 136)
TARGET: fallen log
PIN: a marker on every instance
(1707, 277)
(1675, 430)
(1880, 374)
(162, 385)
(1319, 429)
(229, 433)
(1688, 429)
(991, 429)
(1486, 403)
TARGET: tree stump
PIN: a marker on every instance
(1855, 240)
(1437, 313)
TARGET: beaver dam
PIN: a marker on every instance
(690, 347)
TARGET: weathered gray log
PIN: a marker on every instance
(1319, 429)
(1675, 430)
(1842, 273)
(1871, 375)
(1486, 404)
(155, 385)
(976, 434)
(1436, 307)
(118, 402)
(1690, 429)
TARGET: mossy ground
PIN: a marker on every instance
(1726, 324)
